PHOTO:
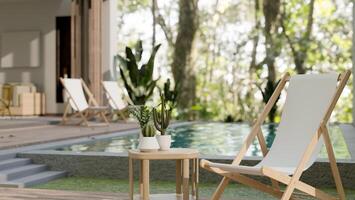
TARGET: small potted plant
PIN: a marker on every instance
(161, 120)
(148, 142)
(147, 139)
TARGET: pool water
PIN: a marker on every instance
(212, 139)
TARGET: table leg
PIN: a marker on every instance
(178, 176)
(197, 176)
(131, 186)
(193, 178)
(141, 178)
(145, 179)
(186, 174)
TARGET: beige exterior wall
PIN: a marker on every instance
(109, 38)
(35, 15)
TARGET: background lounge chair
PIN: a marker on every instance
(301, 133)
(116, 98)
(75, 89)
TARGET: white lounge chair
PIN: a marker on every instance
(116, 98)
(300, 135)
(76, 89)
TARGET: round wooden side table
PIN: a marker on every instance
(182, 156)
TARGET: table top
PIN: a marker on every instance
(172, 154)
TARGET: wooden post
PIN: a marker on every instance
(193, 178)
(131, 186)
(145, 179)
(86, 43)
(178, 176)
(186, 173)
(95, 51)
(141, 178)
(197, 177)
(76, 39)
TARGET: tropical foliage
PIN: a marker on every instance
(148, 130)
(170, 95)
(141, 114)
(238, 50)
(161, 117)
(138, 81)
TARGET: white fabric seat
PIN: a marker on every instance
(77, 96)
(251, 170)
(115, 95)
(308, 97)
(302, 132)
(78, 102)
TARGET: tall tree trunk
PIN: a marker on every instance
(301, 56)
(271, 10)
(299, 47)
(154, 6)
(253, 64)
(182, 66)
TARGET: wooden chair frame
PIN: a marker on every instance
(87, 113)
(292, 182)
(114, 111)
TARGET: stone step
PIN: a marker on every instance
(6, 156)
(34, 179)
(14, 162)
(21, 171)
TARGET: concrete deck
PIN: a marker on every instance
(29, 131)
(349, 136)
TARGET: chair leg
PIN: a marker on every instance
(254, 184)
(333, 164)
(64, 118)
(84, 119)
(299, 185)
(87, 114)
(102, 115)
(288, 192)
(9, 111)
(220, 189)
(121, 114)
(111, 116)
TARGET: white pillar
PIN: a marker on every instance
(109, 41)
(353, 61)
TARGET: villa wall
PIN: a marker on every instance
(35, 15)
(40, 15)
(109, 39)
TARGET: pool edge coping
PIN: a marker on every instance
(43, 148)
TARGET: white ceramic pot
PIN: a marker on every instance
(164, 142)
(147, 144)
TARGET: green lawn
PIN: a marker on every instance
(205, 190)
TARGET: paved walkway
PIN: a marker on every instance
(349, 135)
(28, 131)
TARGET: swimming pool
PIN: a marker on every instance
(211, 139)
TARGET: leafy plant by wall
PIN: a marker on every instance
(138, 81)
